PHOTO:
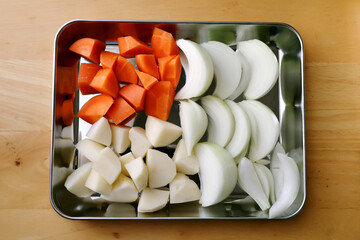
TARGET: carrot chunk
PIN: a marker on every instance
(67, 112)
(120, 111)
(147, 64)
(86, 74)
(130, 46)
(88, 48)
(125, 71)
(159, 99)
(95, 108)
(105, 82)
(146, 80)
(163, 43)
(170, 69)
(108, 59)
(134, 95)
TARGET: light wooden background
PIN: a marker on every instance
(331, 33)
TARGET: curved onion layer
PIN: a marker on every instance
(275, 169)
(267, 180)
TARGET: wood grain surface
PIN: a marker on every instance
(330, 30)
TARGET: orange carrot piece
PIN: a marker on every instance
(95, 108)
(146, 80)
(105, 82)
(67, 112)
(134, 95)
(86, 74)
(108, 59)
(120, 111)
(88, 48)
(163, 43)
(147, 64)
(159, 99)
(170, 69)
(130, 46)
(125, 71)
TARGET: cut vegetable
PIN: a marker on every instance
(75, 183)
(107, 164)
(146, 80)
(221, 120)
(269, 179)
(264, 67)
(130, 46)
(183, 189)
(120, 138)
(198, 69)
(152, 200)
(147, 64)
(100, 132)
(88, 48)
(290, 190)
(121, 111)
(125, 71)
(134, 95)
(86, 74)
(185, 163)
(138, 172)
(161, 167)
(139, 142)
(227, 68)
(123, 190)
(89, 148)
(218, 173)
(250, 183)
(95, 108)
(161, 133)
(170, 69)
(108, 60)
(105, 82)
(97, 183)
(163, 43)
(275, 168)
(265, 129)
(194, 123)
(124, 159)
(159, 100)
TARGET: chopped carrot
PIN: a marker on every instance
(66, 80)
(163, 43)
(125, 71)
(146, 80)
(67, 112)
(95, 108)
(130, 46)
(170, 69)
(88, 48)
(120, 111)
(105, 82)
(86, 74)
(134, 95)
(147, 64)
(159, 99)
(108, 59)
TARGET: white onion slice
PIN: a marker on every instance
(221, 121)
(267, 179)
(265, 129)
(264, 67)
(194, 122)
(275, 169)
(217, 173)
(290, 189)
(227, 68)
(250, 183)
(198, 69)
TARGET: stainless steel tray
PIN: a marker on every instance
(286, 99)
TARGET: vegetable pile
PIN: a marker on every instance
(226, 141)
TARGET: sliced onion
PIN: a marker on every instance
(264, 67)
(194, 122)
(221, 121)
(290, 190)
(275, 169)
(267, 180)
(263, 162)
(198, 69)
(265, 129)
(227, 68)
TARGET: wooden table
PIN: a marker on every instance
(331, 34)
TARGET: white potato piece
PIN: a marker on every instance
(187, 164)
(138, 172)
(89, 148)
(123, 190)
(161, 167)
(120, 137)
(100, 132)
(152, 200)
(107, 164)
(183, 189)
(161, 133)
(75, 183)
(139, 142)
(97, 183)
(124, 159)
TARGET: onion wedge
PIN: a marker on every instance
(267, 180)
(275, 169)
